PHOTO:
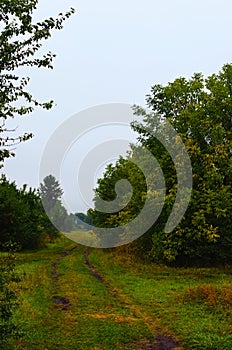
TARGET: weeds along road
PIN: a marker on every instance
(73, 298)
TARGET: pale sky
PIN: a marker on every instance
(114, 52)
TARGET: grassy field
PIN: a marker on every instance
(105, 300)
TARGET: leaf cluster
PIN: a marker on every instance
(20, 42)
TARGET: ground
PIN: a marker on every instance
(78, 298)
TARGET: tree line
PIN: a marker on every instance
(200, 110)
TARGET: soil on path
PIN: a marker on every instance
(159, 342)
(61, 302)
(92, 268)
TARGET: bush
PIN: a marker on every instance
(8, 297)
(213, 297)
(22, 217)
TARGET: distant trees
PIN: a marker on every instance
(200, 110)
(50, 193)
(22, 217)
(82, 219)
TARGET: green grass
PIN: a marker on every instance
(170, 295)
(135, 299)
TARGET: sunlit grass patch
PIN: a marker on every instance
(88, 238)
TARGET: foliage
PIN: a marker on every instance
(20, 41)
(130, 201)
(50, 193)
(83, 219)
(200, 110)
(22, 217)
(8, 297)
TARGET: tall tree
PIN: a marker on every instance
(200, 110)
(50, 192)
(20, 40)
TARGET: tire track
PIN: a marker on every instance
(61, 302)
(161, 340)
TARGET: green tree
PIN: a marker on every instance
(22, 216)
(82, 219)
(20, 40)
(200, 110)
(50, 192)
(21, 212)
(130, 202)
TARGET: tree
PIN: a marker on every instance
(200, 110)
(130, 201)
(50, 192)
(82, 219)
(20, 40)
(22, 216)
(23, 224)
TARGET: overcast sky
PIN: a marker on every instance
(114, 51)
